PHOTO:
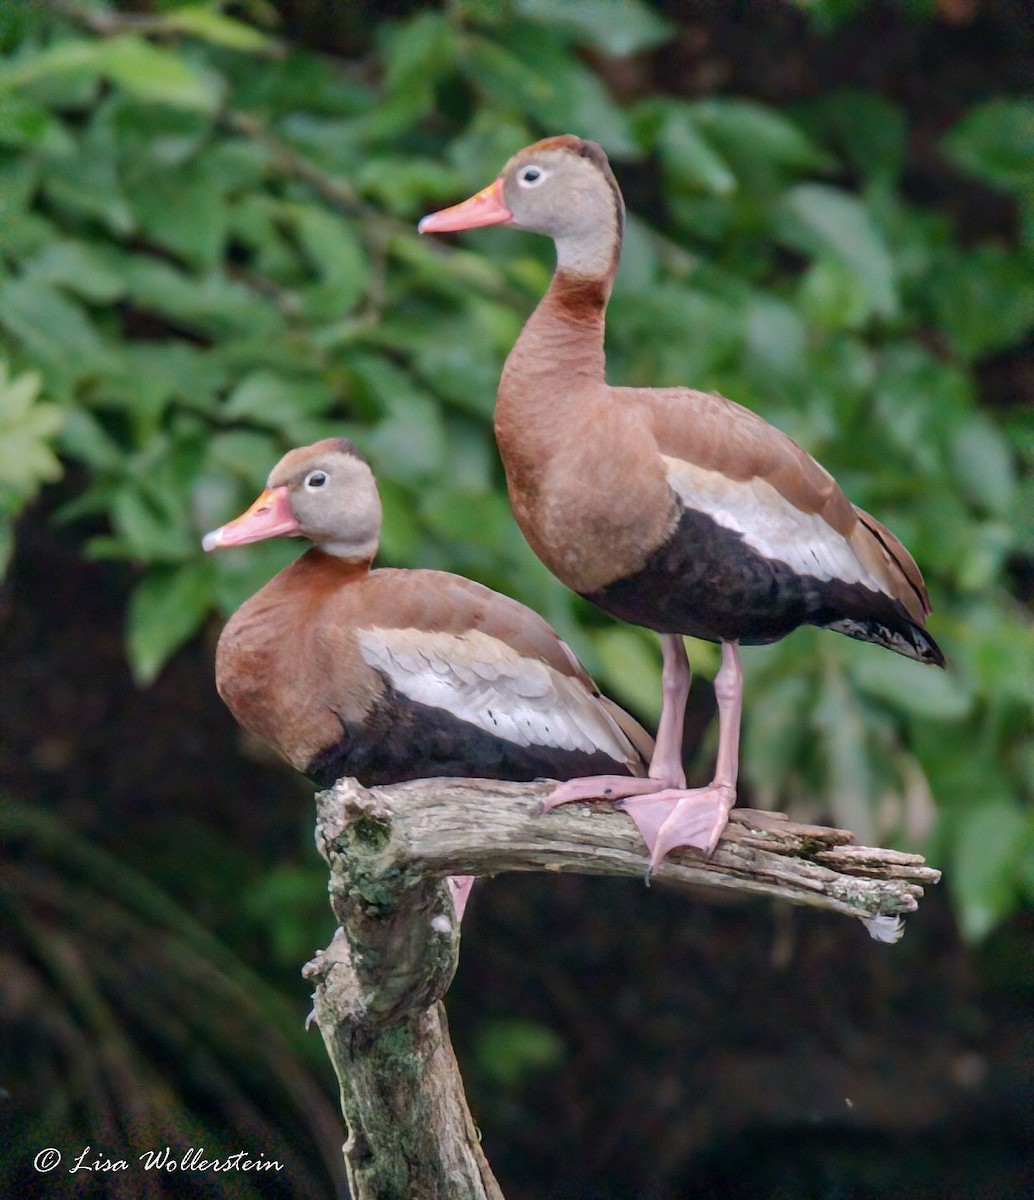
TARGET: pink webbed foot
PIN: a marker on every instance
(599, 787)
(674, 817)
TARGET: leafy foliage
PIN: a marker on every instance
(209, 255)
(27, 430)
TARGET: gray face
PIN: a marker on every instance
(333, 495)
(567, 197)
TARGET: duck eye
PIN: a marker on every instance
(315, 479)
(531, 176)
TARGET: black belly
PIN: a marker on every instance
(707, 582)
(402, 739)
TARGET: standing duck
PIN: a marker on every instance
(670, 508)
(395, 674)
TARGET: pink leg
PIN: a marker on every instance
(697, 817)
(666, 813)
(666, 764)
(459, 886)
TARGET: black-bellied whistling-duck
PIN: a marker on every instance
(395, 674)
(668, 507)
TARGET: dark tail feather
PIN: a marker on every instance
(898, 634)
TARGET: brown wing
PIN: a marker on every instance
(739, 466)
(720, 435)
(874, 543)
(450, 643)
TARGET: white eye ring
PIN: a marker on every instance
(531, 176)
(315, 479)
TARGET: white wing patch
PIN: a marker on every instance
(486, 682)
(769, 523)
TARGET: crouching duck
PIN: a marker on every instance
(671, 508)
(392, 674)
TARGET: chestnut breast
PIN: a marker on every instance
(287, 664)
(587, 484)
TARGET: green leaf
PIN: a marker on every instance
(336, 254)
(827, 15)
(654, 326)
(248, 455)
(510, 1050)
(276, 400)
(456, 360)
(989, 841)
(776, 732)
(141, 69)
(995, 142)
(618, 27)
(71, 56)
(148, 531)
(27, 431)
(868, 129)
(984, 465)
(776, 336)
(211, 304)
(157, 76)
(50, 325)
(546, 83)
(81, 267)
(202, 21)
(689, 158)
(408, 185)
(409, 443)
(182, 210)
(833, 296)
(24, 124)
(911, 687)
(17, 396)
(475, 520)
(165, 609)
(287, 906)
(982, 298)
(631, 668)
(826, 218)
(26, 457)
(419, 52)
(86, 183)
(400, 535)
(83, 437)
(841, 719)
(751, 133)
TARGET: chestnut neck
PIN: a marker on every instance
(563, 337)
(320, 564)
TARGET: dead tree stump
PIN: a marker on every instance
(380, 983)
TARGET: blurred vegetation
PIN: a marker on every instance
(101, 978)
(208, 255)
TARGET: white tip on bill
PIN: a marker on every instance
(211, 541)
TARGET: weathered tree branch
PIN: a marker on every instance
(380, 984)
